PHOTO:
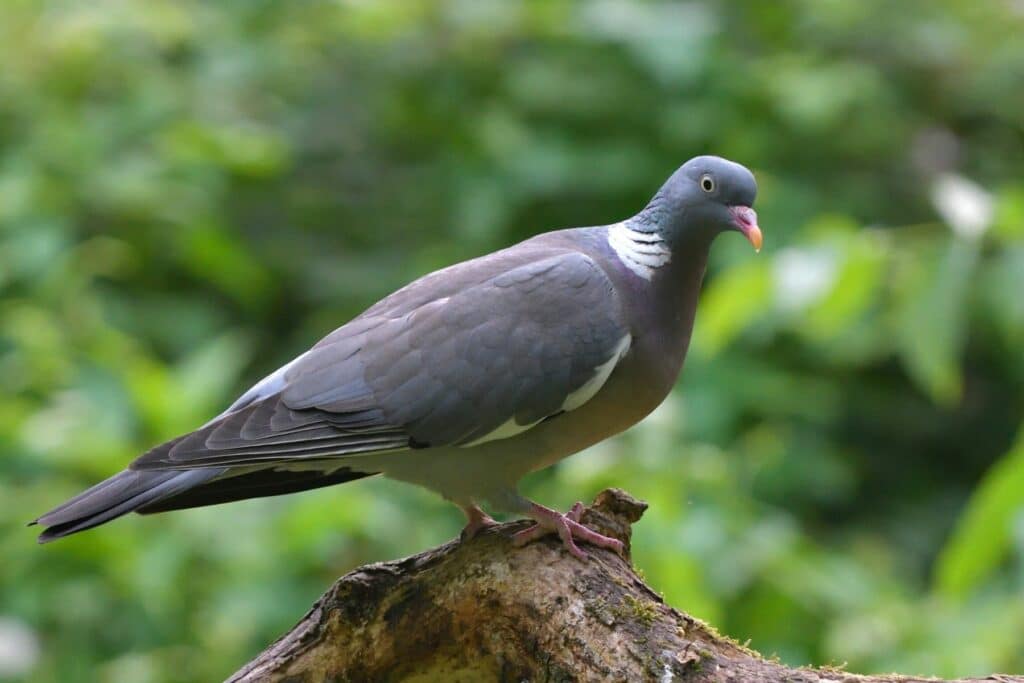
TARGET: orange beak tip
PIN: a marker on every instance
(755, 237)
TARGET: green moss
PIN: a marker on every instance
(714, 634)
(602, 612)
(642, 610)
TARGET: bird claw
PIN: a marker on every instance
(478, 520)
(575, 512)
(567, 527)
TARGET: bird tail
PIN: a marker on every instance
(123, 493)
(150, 491)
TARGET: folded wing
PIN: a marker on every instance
(482, 362)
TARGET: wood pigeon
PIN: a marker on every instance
(468, 378)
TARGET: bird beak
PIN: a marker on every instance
(745, 220)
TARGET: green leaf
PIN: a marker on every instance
(982, 535)
(217, 254)
(205, 377)
(930, 312)
(854, 292)
(1008, 225)
(732, 301)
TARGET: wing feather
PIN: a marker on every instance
(482, 362)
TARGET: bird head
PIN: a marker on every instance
(708, 195)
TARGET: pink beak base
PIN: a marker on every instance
(745, 219)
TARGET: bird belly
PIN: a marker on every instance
(488, 470)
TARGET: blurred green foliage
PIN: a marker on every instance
(192, 193)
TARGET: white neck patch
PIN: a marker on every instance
(641, 252)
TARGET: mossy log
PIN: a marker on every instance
(483, 610)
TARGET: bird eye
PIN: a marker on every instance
(707, 183)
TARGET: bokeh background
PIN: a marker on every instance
(192, 193)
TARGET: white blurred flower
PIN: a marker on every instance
(802, 276)
(963, 204)
(19, 648)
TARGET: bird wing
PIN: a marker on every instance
(483, 362)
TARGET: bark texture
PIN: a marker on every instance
(484, 611)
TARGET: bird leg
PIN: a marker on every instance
(477, 520)
(567, 527)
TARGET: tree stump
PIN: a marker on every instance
(483, 610)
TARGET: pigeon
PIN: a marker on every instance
(468, 378)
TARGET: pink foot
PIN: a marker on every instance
(567, 527)
(477, 520)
